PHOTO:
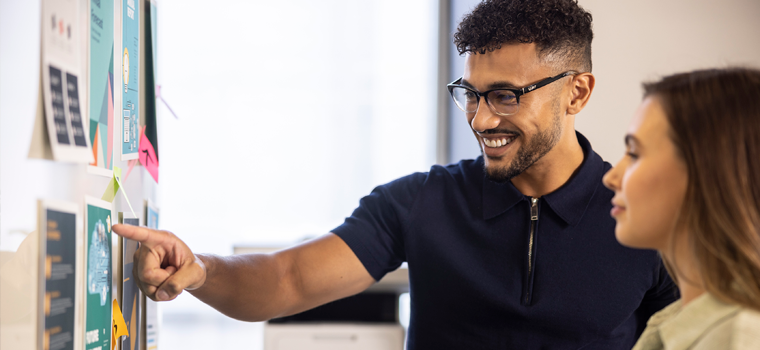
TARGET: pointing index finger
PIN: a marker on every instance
(136, 233)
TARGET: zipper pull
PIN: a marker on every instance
(534, 209)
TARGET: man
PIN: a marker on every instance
(513, 250)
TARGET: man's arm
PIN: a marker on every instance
(257, 287)
(252, 287)
(663, 293)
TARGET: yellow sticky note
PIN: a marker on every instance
(113, 186)
(118, 184)
(119, 326)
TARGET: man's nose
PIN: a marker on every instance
(485, 118)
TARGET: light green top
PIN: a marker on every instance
(704, 324)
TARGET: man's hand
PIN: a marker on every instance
(163, 265)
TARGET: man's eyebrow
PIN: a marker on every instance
(502, 85)
(494, 85)
(467, 83)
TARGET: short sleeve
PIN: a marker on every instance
(663, 293)
(375, 229)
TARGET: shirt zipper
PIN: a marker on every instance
(531, 239)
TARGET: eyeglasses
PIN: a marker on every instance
(501, 101)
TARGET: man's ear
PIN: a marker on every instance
(582, 86)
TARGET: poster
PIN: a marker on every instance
(101, 101)
(98, 274)
(151, 325)
(148, 149)
(60, 249)
(130, 20)
(131, 301)
(151, 215)
(151, 307)
(61, 83)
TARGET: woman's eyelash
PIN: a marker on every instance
(632, 155)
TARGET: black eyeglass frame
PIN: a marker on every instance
(517, 92)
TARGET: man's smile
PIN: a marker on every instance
(498, 144)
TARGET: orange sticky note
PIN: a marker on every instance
(119, 326)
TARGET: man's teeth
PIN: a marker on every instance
(497, 142)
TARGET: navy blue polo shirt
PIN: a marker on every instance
(478, 282)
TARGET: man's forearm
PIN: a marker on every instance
(258, 287)
(250, 287)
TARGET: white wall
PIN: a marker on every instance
(643, 40)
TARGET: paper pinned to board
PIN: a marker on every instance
(102, 63)
(148, 156)
(40, 147)
(63, 83)
(119, 325)
(130, 90)
(113, 186)
(123, 190)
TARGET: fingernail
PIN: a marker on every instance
(162, 295)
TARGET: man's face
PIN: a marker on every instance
(511, 144)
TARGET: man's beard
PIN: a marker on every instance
(528, 153)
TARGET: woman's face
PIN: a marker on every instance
(649, 182)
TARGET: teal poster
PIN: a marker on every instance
(98, 278)
(130, 73)
(101, 83)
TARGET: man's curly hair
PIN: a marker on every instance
(559, 28)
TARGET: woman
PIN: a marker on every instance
(689, 186)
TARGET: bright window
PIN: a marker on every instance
(289, 113)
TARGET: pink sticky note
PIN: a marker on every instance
(148, 156)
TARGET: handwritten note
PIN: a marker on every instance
(147, 156)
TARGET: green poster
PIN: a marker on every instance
(101, 82)
(98, 278)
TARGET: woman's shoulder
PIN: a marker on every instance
(746, 329)
(739, 331)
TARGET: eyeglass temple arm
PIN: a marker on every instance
(458, 81)
(543, 83)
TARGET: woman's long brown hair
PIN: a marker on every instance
(715, 124)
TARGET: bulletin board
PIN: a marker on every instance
(78, 127)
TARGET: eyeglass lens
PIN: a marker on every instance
(501, 101)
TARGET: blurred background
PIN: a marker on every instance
(290, 112)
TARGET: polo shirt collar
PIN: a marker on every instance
(569, 202)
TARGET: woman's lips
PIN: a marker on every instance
(616, 210)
